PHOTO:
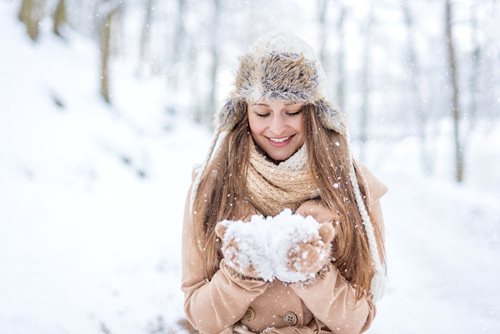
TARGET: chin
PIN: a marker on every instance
(281, 156)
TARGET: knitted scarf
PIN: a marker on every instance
(276, 187)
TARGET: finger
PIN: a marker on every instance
(327, 232)
(306, 207)
(220, 230)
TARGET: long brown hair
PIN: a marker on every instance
(222, 194)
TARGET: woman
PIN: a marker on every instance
(284, 147)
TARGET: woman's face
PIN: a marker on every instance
(277, 127)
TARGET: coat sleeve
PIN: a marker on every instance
(332, 301)
(212, 306)
(332, 298)
(376, 189)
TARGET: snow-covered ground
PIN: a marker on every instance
(91, 202)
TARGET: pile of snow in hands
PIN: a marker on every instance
(266, 243)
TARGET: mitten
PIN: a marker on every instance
(244, 249)
(318, 211)
(310, 255)
(301, 246)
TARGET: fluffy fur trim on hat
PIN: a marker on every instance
(277, 76)
(331, 117)
(231, 114)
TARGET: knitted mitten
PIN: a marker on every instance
(244, 250)
(311, 254)
(318, 211)
(301, 246)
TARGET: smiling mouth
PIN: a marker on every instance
(280, 142)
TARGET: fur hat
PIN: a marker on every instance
(281, 66)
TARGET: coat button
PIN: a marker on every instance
(290, 318)
(249, 314)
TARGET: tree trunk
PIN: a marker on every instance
(59, 17)
(31, 13)
(24, 11)
(196, 101)
(341, 57)
(323, 31)
(475, 72)
(214, 69)
(414, 74)
(145, 34)
(365, 88)
(106, 30)
(178, 46)
(455, 103)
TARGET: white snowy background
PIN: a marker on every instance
(92, 198)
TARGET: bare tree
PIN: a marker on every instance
(341, 72)
(455, 103)
(60, 17)
(24, 10)
(30, 14)
(475, 71)
(178, 45)
(108, 12)
(414, 74)
(365, 86)
(214, 67)
(194, 80)
(322, 7)
(145, 33)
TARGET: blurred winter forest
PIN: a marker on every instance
(106, 105)
(389, 62)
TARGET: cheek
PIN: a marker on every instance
(298, 125)
(257, 126)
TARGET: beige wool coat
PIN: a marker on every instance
(228, 303)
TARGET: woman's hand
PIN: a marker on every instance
(318, 211)
(309, 256)
(241, 263)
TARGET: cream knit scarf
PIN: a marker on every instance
(276, 187)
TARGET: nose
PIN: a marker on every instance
(278, 124)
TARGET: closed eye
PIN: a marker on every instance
(262, 114)
(293, 113)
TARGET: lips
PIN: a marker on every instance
(280, 142)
